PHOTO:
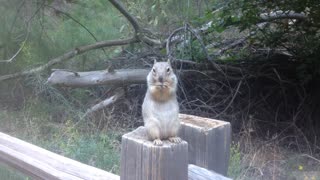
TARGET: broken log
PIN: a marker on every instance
(94, 78)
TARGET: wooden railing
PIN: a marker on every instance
(204, 157)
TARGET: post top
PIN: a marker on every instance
(139, 135)
(201, 122)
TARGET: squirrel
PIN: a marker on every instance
(160, 107)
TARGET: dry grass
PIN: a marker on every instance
(268, 158)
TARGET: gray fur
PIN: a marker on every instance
(160, 106)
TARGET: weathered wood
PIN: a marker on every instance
(30, 166)
(199, 173)
(95, 78)
(208, 142)
(42, 164)
(141, 160)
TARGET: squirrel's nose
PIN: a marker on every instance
(161, 79)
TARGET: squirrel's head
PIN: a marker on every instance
(161, 79)
(161, 74)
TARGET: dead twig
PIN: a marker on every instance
(21, 47)
(105, 103)
(231, 101)
(311, 157)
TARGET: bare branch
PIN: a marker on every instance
(107, 43)
(19, 50)
(123, 11)
(170, 39)
(16, 54)
(138, 31)
(187, 27)
(198, 37)
(234, 44)
(233, 97)
(69, 55)
(149, 40)
(105, 103)
(267, 17)
(75, 20)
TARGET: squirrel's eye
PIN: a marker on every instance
(168, 69)
(153, 70)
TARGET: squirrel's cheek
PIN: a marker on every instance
(152, 88)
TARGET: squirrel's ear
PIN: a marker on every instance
(168, 61)
(154, 60)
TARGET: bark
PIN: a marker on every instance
(69, 78)
(94, 78)
(267, 17)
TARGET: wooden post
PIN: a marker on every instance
(141, 160)
(208, 141)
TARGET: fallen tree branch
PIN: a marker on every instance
(69, 78)
(69, 55)
(267, 17)
(94, 78)
(82, 49)
(105, 103)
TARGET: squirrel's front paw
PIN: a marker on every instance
(175, 140)
(157, 142)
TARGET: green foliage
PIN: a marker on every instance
(235, 166)
(10, 174)
(299, 37)
(97, 149)
(53, 32)
(35, 124)
(160, 14)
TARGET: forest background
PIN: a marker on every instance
(252, 63)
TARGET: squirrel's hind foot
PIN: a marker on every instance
(157, 142)
(175, 140)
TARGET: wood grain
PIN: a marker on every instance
(42, 164)
(208, 142)
(141, 160)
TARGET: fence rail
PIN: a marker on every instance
(205, 150)
(39, 163)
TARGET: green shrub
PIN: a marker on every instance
(11, 174)
(235, 167)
